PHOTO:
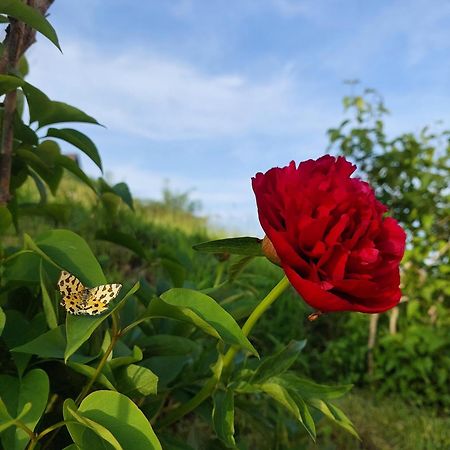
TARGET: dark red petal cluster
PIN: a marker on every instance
(335, 245)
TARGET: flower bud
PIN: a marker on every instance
(269, 251)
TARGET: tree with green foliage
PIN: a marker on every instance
(411, 172)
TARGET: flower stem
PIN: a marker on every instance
(219, 274)
(115, 334)
(212, 382)
(55, 426)
(255, 315)
(31, 435)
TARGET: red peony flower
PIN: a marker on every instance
(330, 235)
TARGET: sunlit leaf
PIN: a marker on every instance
(223, 416)
(31, 16)
(204, 312)
(79, 140)
(245, 246)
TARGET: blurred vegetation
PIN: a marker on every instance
(410, 173)
(384, 412)
(337, 343)
(386, 423)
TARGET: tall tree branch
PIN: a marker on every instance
(18, 39)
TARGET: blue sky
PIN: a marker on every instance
(205, 94)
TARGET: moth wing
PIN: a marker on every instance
(69, 284)
(73, 303)
(99, 297)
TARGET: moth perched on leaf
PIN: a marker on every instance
(78, 299)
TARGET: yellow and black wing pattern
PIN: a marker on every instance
(77, 299)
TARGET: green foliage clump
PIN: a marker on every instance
(410, 173)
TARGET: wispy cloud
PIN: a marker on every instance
(206, 94)
(398, 34)
(157, 97)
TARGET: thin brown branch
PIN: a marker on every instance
(18, 39)
(7, 146)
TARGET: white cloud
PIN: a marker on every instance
(155, 97)
(416, 28)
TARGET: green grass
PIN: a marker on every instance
(384, 424)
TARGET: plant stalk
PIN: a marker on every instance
(115, 334)
(212, 382)
(262, 307)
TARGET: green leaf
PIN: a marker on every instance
(237, 267)
(308, 389)
(46, 172)
(80, 328)
(58, 112)
(48, 345)
(47, 166)
(172, 443)
(22, 266)
(5, 219)
(46, 111)
(169, 345)
(125, 240)
(6, 420)
(169, 355)
(334, 414)
(19, 330)
(305, 415)
(49, 310)
(2, 320)
(134, 379)
(175, 270)
(89, 372)
(70, 251)
(41, 189)
(111, 202)
(125, 360)
(79, 140)
(23, 132)
(278, 363)
(78, 430)
(23, 67)
(223, 417)
(70, 165)
(51, 344)
(120, 190)
(245, 246)
(203, 311)
(282, 396)
(167, 368)
(118, 414)
(9, 83)
(123, 191)
(31, 16)
(32, 388)
(38, 102)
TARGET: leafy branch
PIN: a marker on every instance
(19, 37)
